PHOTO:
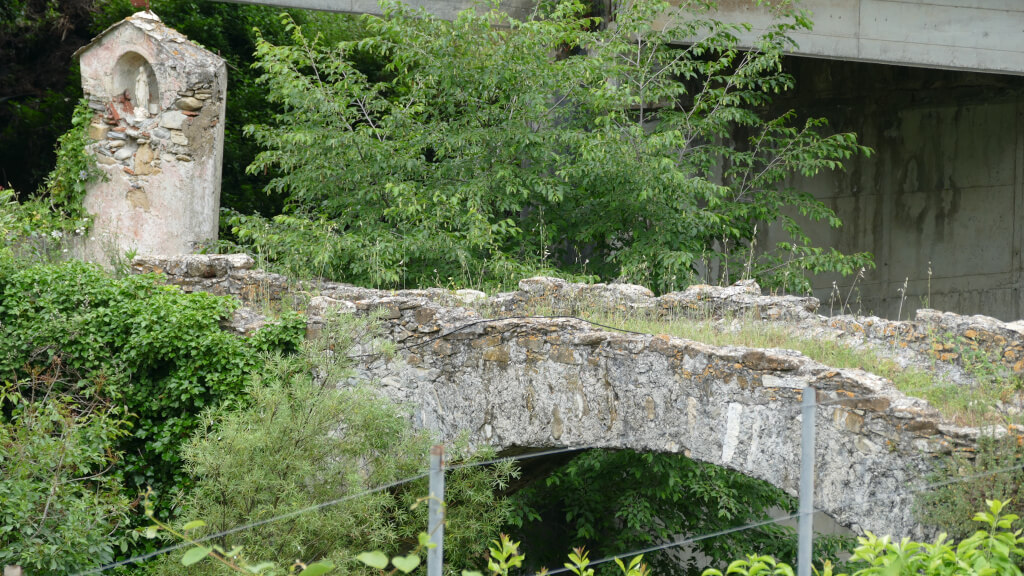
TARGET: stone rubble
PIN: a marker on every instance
(518, 382)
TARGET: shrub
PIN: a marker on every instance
(61, 510)
(131, 341)
(994, 472)
(995, 549)
(299, 443)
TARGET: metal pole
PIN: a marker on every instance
(806, 528)
(435, 518)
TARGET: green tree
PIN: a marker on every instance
(39, 83)
(491, 148)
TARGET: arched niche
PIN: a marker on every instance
(134, 74)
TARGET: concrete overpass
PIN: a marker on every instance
(975, 35)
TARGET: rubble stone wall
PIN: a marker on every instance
(522, 382)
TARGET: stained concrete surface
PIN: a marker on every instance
(942, 193)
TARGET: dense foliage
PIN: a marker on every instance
(299, 443)
(39, 83)
(65, 185)
(60, 507)
(491, 148)
(616, 501)
(995, 548)
(149, 347)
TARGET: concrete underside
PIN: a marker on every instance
(978, 35)
(941, 198)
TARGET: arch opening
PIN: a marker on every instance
(133, 75)
(615, 501)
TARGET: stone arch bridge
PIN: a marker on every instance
(518, 382)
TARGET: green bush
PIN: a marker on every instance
(61, 510)
(299, 442)
(994, 472)
(156, 351)
(995, 549)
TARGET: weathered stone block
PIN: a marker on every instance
(563, 355)
(488, 341)
(173, 120)
(497, 354)
(98, 131)
(189, 103)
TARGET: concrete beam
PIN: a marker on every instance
(975, 35)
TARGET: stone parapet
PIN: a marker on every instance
(519, 381)
(931, 337)
(222, 274)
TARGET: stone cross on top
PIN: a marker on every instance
(158, 134)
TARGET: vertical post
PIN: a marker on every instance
(435, 520)
(806, 527)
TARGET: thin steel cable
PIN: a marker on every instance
(251, 525)
(690, 540)
(148, 555)
(525, 456)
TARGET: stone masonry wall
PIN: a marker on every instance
(521, 382)
(932, 336)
